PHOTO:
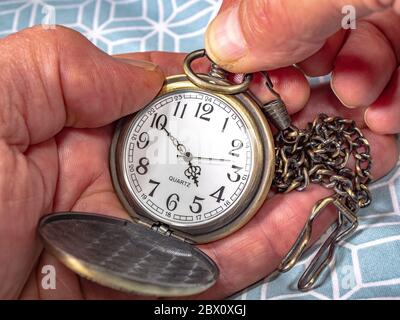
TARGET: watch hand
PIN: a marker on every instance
(168, 134)
(192, 172)
(179, 146)
(203, 158)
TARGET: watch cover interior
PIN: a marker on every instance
(127, 256)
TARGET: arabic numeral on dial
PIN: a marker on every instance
(178, 97)
(159, 121)
(155, 188)
(179, 113)
(172, 202)
(206, 109)
(142, 168)
(143, 141)
(196, 207)
(218, 194)
(237, 145)
(235, 177)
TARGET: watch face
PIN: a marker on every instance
(187, 159)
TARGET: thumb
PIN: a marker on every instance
(253, 35)
(56, 78)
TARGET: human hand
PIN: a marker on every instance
(59, 94)
(254, 35)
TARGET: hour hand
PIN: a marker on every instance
(179, 146)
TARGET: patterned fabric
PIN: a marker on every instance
(367, 264)
(120, 25)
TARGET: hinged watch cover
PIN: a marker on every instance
(127, 256)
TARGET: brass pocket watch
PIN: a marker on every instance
(194, 166)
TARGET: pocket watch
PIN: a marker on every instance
(194, 166)
(194, 163)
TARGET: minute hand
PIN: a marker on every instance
(206, 158)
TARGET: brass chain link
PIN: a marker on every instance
(321, 154)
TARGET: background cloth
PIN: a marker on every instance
(367, 265)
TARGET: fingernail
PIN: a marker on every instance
(366, 117)
(139, 63)
(337, 96)
(224, 38)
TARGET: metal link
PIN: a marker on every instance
(320, 154)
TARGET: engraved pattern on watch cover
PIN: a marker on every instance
(127, 256)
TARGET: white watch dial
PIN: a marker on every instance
(188, 158)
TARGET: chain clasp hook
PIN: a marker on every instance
(347, 222)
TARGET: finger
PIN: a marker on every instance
(364, 66)
(290, 82)
(263, 34)
(322, 62)
(226, 4)
(388, 22)
(383, 116)
(323, 100)
(55, 78)
(67, 285)
(171, 63)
